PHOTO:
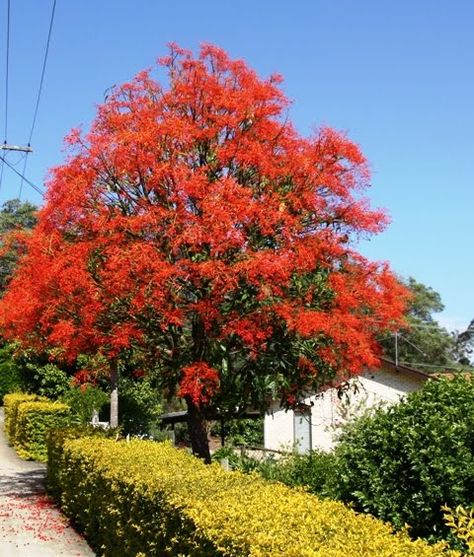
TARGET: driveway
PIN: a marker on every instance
(30, 524)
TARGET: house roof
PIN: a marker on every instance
(406, 370)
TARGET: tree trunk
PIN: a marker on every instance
(198, 432)
(114, 376)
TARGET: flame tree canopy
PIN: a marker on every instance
(194, 224)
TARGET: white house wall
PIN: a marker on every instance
(328, 412)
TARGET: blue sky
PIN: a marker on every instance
(396, 76)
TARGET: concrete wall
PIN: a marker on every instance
(329, 412)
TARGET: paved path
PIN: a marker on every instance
(30, 524)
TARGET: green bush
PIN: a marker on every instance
(11, 403)
(150, 499)
(34, 420)
(10, 376)
(83, 400)
(404, 463)
(139, 406)
(316, 471)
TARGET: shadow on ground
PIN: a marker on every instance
(22, 484)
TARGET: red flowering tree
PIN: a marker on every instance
(194, 222)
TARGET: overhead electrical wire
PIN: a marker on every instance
(29, 182)
(7, 72)
(40, 89)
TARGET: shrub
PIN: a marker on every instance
(315, 470)
(11, 403)
(83, 400)
(403, 463)
(46, 380)
(150, 499)
(34, 420)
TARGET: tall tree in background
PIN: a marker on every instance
(464, 348)
(195, 224)
(15, 216)
(423, 343)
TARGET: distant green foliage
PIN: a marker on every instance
(315, 470)
(10, 376)
(139, 406)
(83, 400)
(404, 463)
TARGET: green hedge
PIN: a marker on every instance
(149, 499)
(34, 420)
(11, 403)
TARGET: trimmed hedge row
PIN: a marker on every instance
(11, 403)
(34, 420)
(28, 418)
(149, 499)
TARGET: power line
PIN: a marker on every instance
(29, 182)
(40, 89)
(7, 72)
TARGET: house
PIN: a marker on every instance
(316, 423)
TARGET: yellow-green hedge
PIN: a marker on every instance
(11, 403)
(33, 422)
(149, 499)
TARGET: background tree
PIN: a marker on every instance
(15, 215)
(464, 348)
(423, 342)
(194, 225)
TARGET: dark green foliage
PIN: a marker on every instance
(46, 379)
(10, 376)
(83, 400)
(139, 406)
(37, 374)
(315, 470)
(403, 463)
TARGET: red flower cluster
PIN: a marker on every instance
(199, 382)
